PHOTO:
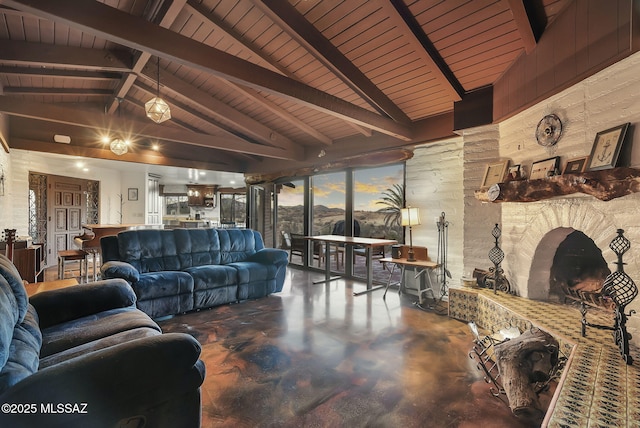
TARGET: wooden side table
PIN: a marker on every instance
(39, 287)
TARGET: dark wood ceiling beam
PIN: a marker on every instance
(174, 103)
(58, 114)
(199, 10)
(58, 73)
(220, 25)
(140, 156)
(140, 61)
(224, 113)
(41, 55)
(523, 24)
(112, 24)
(57, 91)
(400, 14)
(279, 111)
(299, 29)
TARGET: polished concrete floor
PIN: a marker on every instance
(317, 356)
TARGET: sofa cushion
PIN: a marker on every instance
(237, 245)
(251, 271)
(161, 284)
(24, 352)
(70, 334)
(149, 250)
(10, 273)
(197, 247)
(212, 276)
(105, 342)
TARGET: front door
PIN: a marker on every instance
(67, 211)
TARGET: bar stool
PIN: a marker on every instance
(73, 255)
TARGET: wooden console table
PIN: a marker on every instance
(367, 243)
(422, 266)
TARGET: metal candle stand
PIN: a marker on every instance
(622, 290)
(496, 255)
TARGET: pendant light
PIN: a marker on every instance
(156, 108)
(118, 145)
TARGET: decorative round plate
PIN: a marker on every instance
(549, 130)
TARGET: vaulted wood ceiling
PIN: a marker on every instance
(253, 85)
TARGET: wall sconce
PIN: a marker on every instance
(410, 217)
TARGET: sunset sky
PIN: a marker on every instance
(329, 188)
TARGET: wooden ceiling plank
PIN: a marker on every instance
(245, 124)
(222, 26)
(279, 111)
(57, 91)
(524, 26)
(127, 30)
(295, 24)
(146, 156)
(141, 60)
(54, 113)
(58, 73)
(400, 14)
(36, 54)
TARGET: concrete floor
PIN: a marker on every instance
(317, 356)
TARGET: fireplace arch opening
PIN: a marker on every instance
(578, 270)
(566, 263)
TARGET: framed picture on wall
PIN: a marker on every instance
(575, 166)
(133, 193)
(544, 168)
(606, 148)
(494, 173)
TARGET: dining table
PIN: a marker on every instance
(356, 241)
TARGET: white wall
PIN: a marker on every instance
(605, 100)
(14, 205)
(133, 211)
(434, 183)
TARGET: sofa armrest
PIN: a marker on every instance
(270, 256)
(112, 384)
(57, 306)
(116, 269)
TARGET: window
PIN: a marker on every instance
(176, 205)
(233, 209)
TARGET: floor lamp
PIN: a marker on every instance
(410, 217)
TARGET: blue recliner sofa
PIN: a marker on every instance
(180, 270)
(85, 356)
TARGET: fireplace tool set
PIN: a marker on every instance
(621, 289)
(442, 272)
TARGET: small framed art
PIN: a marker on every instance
(544, 168)
(575, 166)
(494, 173)
(606, 148)
(515, 173)
(133, 193)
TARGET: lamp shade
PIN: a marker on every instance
(410, 216)
(157, 110)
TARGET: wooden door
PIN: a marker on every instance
(67, 212)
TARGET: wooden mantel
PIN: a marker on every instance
(604, 185)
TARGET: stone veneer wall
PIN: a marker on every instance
(605, 100)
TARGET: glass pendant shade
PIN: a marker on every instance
(157, 110)
(118, 146)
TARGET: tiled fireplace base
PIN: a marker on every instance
(597, 389)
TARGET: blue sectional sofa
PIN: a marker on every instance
(179, 270)
(85, 356)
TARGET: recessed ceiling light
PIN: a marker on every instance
(232, 182)
(80, 164)
(203, 173)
